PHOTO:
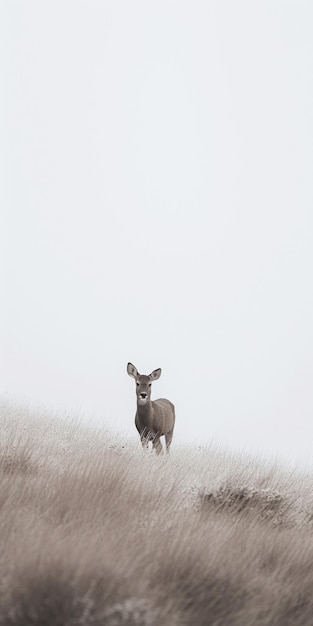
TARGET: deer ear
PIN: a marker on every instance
(156, 374)
(132, 370)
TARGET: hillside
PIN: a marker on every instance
(95, 532)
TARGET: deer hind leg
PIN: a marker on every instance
(168, 440)
(157, 446)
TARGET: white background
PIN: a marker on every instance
(157, 207)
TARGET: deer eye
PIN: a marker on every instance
(137, 383)
(150, 384)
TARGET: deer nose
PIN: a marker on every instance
(143, 395)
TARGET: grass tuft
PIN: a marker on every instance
(16, 462)
(263, 504)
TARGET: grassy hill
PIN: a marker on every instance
(95, 532)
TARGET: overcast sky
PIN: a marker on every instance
(156, 165)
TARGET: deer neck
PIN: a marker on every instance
(144, 412)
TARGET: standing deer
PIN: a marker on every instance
(154, 418)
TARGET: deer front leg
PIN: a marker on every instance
(157, 444)
(144, 438)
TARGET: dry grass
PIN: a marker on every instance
(94, 532)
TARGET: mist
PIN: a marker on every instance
(157, 208)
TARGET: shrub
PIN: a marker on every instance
(262, 504)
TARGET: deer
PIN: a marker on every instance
(154, 418)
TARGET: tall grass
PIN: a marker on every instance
(95, 532)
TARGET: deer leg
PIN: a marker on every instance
(144, 437)
(168, 440)
(157, 444)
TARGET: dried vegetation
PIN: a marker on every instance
(93, 532)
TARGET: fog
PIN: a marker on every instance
(157, 193)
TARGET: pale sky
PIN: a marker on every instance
(157, 207)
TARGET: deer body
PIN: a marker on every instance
(154, 418)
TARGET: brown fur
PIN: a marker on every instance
(154, 418)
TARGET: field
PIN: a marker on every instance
(95, 532)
